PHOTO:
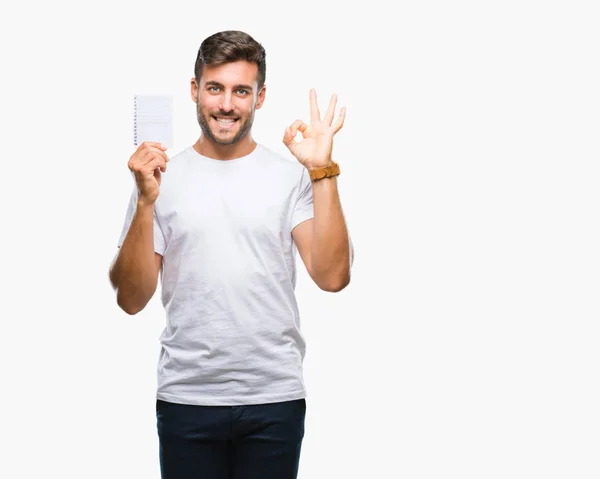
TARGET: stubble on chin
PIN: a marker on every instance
(203, 121)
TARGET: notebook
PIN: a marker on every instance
(153, 119)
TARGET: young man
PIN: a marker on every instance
(224, 223)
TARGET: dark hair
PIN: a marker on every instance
(230, 46)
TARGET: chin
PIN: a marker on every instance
(225, 138)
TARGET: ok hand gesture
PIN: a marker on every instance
(314, 150)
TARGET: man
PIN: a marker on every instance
(224, 219)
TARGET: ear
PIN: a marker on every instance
(194, 90)
(261, 97)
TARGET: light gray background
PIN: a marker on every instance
(466, 345)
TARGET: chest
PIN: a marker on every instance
(217, 207)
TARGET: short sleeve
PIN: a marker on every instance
(303, 206)
(159, 238)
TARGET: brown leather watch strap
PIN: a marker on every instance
(324, 172)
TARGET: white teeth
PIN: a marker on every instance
(225, 121)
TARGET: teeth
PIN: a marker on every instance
(225, 121)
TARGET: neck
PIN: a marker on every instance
(208, 148)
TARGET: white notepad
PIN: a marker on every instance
(153, 119)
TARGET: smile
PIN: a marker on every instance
(225, 122)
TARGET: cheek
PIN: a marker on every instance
(207, 103)
(246, 108)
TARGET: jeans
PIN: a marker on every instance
(260, 441)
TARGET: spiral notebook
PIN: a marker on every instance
(153, 119)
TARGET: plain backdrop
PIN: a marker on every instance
(466, 345)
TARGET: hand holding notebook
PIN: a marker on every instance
(146, 164)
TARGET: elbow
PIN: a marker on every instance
(337, 277)
(130, 309)
(132, 296)
(336, 285)
(129, 305)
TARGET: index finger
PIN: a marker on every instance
(315, 115)
(153, 153)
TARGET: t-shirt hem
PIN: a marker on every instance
(229, 401)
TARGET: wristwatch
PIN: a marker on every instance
(324, 172)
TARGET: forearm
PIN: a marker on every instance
(134, 274)
(331, 250)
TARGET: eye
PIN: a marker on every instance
(242, 92)
(213, 88)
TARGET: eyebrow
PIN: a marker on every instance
(235, 87)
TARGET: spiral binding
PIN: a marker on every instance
(135, 135)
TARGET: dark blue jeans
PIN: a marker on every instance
(260, 441)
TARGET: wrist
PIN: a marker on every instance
(318, 164)
(144, 204)
(325, 183)
(324, 172)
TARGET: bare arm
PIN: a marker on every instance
(330, 252)
(134, 273)
(323, 242)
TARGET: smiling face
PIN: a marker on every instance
(226, 98)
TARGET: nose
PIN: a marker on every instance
(226, 102)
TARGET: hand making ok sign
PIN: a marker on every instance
(314, 150)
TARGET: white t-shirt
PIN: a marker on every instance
(232, 334)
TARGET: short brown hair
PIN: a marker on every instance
(230, 46)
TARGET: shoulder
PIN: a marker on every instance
(177, 164)
(174, 178)
(280, 164)
(181, 157)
